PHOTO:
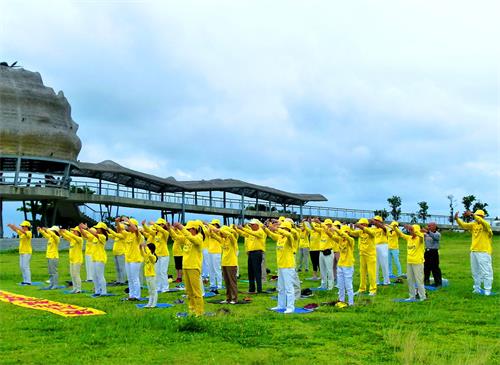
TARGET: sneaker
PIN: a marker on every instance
(340, 305)
(299, 270)
(275, 308)
(223, 302)
(487, 292)
(476, 291)
(410, 299)
(288, 311)
(232, 302)
(359, 292)
(372, 294)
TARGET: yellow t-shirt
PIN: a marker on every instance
(179, 239)
(254, 240)
(481, 234)
(133, 241)
(149, 263)
(366, 241)
(214, 242)
(25, 242)
(346, 249)
(393, 238)
(52, 244)
(229, 247)
(119, 245)
(99, 252)
(89, 247)
(304, 238)
(192, 248)
(75, 247)
(160, 238)
(415, 247)
(285, 256)
(314, 236)
(380, 236)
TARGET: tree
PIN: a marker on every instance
(423, 212)
(451, 218)
(482, 206)
(395, 204)
(413, 218)
(467, 202)
(383, 213)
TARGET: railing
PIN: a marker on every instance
(92, 187)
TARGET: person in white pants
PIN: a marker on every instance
(25, 249)
(89, 265)
(481, 249)
(345, 266)
(286, 265)
(326, 269)
(159, 233)
(150, 260)
(75, 239)
(133, 256)
(98, 235)
(382, 247)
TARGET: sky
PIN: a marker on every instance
(357, 100)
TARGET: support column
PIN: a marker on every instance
(195, 198)
(224, 199)
(18, 168)
(183, 214)
(300, 212)
(242, 218)
(1, 218)
(210, 198)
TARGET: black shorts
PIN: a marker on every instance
(178, 262)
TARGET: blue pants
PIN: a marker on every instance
(394, 254)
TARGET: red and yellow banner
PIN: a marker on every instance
(62, 309)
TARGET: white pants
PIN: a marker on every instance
(134, 281)
(74, 270)
(24, 264)
(383, 262)
(415, 275)
(205, 267)
(89, 267)
(161, 268)
(296, 285)
(127, 269)
(53, 272)
(344, 280)
(120, 268)
(286, 296)
(215, 270)
(153, 293)
(326, 269)
(99, 280)
(263, 267)
(482, 270)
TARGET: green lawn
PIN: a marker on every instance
(452, 327)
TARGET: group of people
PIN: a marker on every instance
(210, 250)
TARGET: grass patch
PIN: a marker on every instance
(452, 327)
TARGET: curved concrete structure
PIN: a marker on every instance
(34, 120)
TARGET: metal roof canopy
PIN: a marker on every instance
(114, 172)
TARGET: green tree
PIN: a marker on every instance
(383, 213)
(413, 218)
(478, 205)
(395, 204)
(423, 211)
(467, 202)
(451, 219)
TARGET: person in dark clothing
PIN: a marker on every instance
(431, 255)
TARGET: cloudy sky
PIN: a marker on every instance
(357, 100)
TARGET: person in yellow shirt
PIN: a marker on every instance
(74, 237)
(148, 253)
(191, 265)
(345, 268)
(326, 254)
(89, 265)
(255, 243)
(415, 260)
(481, 248)
(314, 245)
(303, 254)
(52, 254)
(367, 256)
(382, 248)
(229, 263)
(160, 235)
(393, 241)
(25, 249)
(98, 235)
(179, 239)
(214, 254)
(133, 257)
(119, 248)
(285, 258)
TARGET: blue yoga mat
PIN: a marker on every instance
(159, 305)
(33, 283)
(69, 292)
(431, 288)
(209, 294)
(318, 289)
(296, 311)
(102, 295)
(57, 287)
(406, 300)
(482, 293)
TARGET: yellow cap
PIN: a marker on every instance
(281, 219)
(480, 212)
(226, 230)
(255, 221)
(192, 224)
(416, 227)
(134, 221)
(345, 229)
(328, 221)
(101, 225)
(341, 305)
(337, 223)
(378, 218)
(363, 221)
(75, 229)
(215, 221)
(286, 224)
(25, 224)
(54, 228)
(161, 221)
(394, 223)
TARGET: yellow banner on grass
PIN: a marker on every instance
(62, 309)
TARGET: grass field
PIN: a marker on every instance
(452, 327)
